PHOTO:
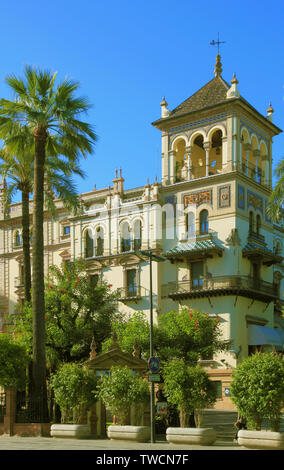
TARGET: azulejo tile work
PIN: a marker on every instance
(198, 198)
(224, 196)
(241, 197)
(255, 201)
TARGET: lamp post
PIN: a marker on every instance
(152, 257)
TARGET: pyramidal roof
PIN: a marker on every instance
(214, 92)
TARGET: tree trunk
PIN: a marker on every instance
(26, 244)
(38, 306)
(183, 418)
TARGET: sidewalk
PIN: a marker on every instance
(54, 444)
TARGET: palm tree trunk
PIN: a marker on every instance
(26, 243)
(38, 306)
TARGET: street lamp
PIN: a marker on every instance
(152, 257)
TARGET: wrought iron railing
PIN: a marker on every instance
(232, 282)
(132, 291)
(28, 410)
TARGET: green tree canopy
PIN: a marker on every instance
(121, 389)
(76, 311)
(74, 390)
(257, 389)
(189, 388)
(13, 363)
(188, 334)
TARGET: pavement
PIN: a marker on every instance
(56, 444)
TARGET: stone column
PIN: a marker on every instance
(265, 166)
(247, 148)
(93, 420)
(10, 415)
(256, 154)
(224, 152)
(206, 146)
(189, 163)
(172, 172)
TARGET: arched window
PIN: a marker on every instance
(258, 224)
(137, 235)
(190, 224)
(99, 241)
(204, 221)
(89, 244)
(125, 238)
(251, 222)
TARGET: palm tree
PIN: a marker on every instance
(19, 171)
(47, 111)
(276, 200)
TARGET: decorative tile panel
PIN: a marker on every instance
(224, 196)
(241, 197)
(255, 201)
(198, 198)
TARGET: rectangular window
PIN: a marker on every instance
(197, 275)
(131, 282)
(66, 230)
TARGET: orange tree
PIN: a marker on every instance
(187, 334)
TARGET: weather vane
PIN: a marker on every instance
(214, 43)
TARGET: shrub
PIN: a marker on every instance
(13, 363)
(257, 389)
(74, 390)
(120, 390)
(189, 388)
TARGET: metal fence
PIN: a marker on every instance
(28, 410)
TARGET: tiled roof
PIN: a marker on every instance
(214, 92)
(250, 246)
(187, 248)
(255, 246)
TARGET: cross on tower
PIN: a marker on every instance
(214, 43)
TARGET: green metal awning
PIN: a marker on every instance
(197, 247)
(252, 249)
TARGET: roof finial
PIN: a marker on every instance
(270, 111)
(218, 65)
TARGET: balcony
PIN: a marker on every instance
(244, 286)
(131, 293)
(256, 174)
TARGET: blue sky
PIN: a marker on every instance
(127, 55)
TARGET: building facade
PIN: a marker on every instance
(207, 218)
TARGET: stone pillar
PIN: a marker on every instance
(265, 167)
(10, 416)
(247, 148)
(93, 420)
(189, 163)
(256, 154)
(224, 152)
(172, 172)
(206, 146)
